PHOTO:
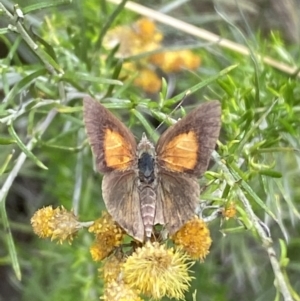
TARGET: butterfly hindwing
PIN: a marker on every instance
(177, 195)
(112, 143)
(123, 202)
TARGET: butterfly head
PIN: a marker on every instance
(145, 146)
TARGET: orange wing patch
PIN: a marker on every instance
(117, 152)
(181, 152)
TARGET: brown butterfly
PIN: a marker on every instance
(145, 185)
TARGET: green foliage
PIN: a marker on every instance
(45, 158)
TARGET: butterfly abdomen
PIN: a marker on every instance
(147, 189)
(148, 206)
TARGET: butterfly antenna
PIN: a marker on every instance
(187, 93)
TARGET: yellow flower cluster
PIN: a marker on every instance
(152, 270)
(194, 238)
(108, 236)
(156, 271)
(55, 223)
(143, 37)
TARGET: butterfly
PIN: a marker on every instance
(144, 185)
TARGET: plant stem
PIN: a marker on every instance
(257, 224)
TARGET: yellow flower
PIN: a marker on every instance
(119, 291)
(148, 81)
(194, 238)
(55, 223)
(146, 30)
(229, 211)
(108, 236)
(156, 271)
(111, 269)
(141, 37)
(175, 61)
(114, 287)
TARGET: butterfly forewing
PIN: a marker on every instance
(112, 143)
(187, 145)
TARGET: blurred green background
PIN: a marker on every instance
(41, 110)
